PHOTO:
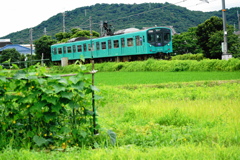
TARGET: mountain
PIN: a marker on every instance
(122, 16)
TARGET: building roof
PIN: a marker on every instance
(19, 48)
(237, 32)
(4, 42)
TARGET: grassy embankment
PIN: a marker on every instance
(167, 115)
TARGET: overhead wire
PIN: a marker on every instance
(148, 11)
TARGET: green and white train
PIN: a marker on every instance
(136, 45)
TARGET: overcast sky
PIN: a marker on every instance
(16, 15)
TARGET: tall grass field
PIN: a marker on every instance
(159, 115)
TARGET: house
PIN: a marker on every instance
(19, 48)
(4, 42)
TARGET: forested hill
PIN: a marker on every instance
(123, 16)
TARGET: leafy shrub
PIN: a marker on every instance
(169, 66)
(45, 111)
(189, 56)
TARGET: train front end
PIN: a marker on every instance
(159, 41)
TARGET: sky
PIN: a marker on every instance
(16, 15)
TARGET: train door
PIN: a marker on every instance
(138, 45)
(123, 47)
(109, 48)
(96, 55)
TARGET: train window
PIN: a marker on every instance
(123, 42)
(159, 37)
(151, 36)
(89, 47)
(97, 45)
(166, 37)
(103, 45)
(85, 47)
(130, 42)
(64, 49)
(74, 48)
(116, 43)
(138, 41)
(69, 49)
(54, 50)
(79, 48)
(59, 50)
(109, 44)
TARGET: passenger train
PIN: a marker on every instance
(136, 45)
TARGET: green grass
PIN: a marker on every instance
(161, 115)
(129, 78)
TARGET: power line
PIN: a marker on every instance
(151, 10)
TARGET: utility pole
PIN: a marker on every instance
(238, 15)
(64, 21)
(45, 31)
(95, 131)
(101, 28)
(225, 55)
(31, 41)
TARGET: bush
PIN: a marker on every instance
(189, 56)
(45, 111)
(169, 66)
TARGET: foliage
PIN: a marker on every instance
(210, 36)
(169, 66)
(43, 46)
(157, 14)
(144, 118)
(190, 56)
(63, 37)
(10, 55)
(186, 42)
(39, 110)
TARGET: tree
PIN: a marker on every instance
(186, 42)
(63, 37)
(210, 36)
(85, 33)
(10, 54)
(43, 45)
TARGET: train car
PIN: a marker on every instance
(141, 44)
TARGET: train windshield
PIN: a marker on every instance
(159, 36)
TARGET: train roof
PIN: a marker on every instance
(119, 32)
(131, 30)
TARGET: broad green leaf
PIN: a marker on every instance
(57, 87)
(65, 130)
(56, 108)
(37, 106)
(40, 140)
(94, 88)
(74, 79)
(73, 105)
(49, 116)
(113, 137)
(50, 99)
(30, 134)
(63, 81)
(78, 86)
(83, 134)
(20, 76)
(67, 95)
(3, 78)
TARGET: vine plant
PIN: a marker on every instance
(39, 110)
